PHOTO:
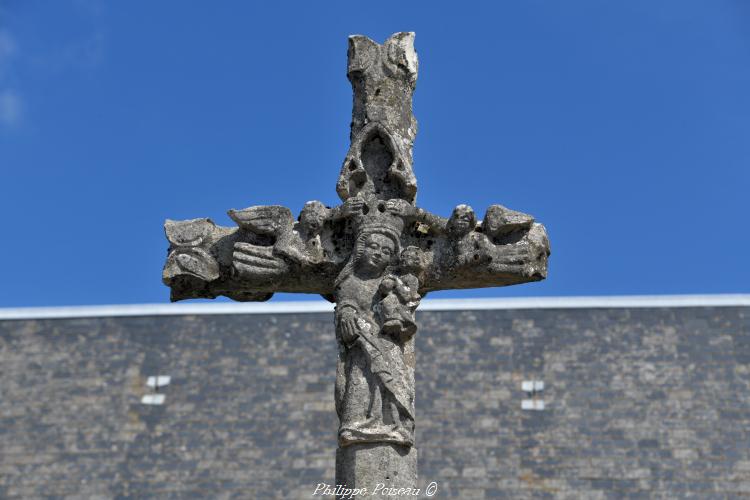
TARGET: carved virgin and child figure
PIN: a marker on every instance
(375, 255)
(374, 327)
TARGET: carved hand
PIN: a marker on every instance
(511, 259)
(257, 262)
(348, 326)
(404, 292)
(387, 285)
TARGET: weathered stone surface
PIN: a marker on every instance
(379, 161)
(271, 252)
(375, 255)
(389, 467)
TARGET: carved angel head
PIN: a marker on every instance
(313, 216)
(412, 260)
(462, 220)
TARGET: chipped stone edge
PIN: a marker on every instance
(285, 307)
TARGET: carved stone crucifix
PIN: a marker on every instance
(375, 255)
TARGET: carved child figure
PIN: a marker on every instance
(298, 243)
(400, 295)
(469, 247)
(302, 244)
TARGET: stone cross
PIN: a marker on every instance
(375, 255)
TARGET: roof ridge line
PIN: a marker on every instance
(309, 306)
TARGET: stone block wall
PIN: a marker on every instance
(638, 403)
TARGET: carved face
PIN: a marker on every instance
(313, 217)
(377, 253)
(462, 220)
(412, 259)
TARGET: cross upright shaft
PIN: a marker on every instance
(375, 255)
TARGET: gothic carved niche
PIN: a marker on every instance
(376, 166)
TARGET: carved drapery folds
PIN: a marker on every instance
(374, 327)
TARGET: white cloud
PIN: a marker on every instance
(11, 109)
(83, 51)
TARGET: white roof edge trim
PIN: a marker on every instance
(282, 307)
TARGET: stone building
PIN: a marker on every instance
(639, 397)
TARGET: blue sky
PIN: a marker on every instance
(622, 126)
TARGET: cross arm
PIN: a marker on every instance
(505, 248)
(268, 252)
(487, 263)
